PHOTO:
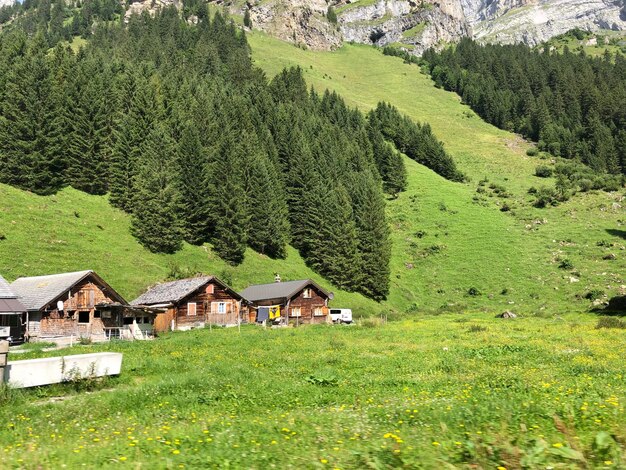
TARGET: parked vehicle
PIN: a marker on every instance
(341, 315)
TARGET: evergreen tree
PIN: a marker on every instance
(229, 202)
(373, 234)
(268, 230)
(156, 201)
(193, 179)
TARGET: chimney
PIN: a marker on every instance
(277, 278)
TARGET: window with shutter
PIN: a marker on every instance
(191, 309)
(295, 312)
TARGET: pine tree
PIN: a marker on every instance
(268, 230)
(156, 201)
(373, 234)
(229, 202)
(193, 179)
(87, 139)
(28, 155)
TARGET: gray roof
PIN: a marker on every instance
(278, 290)
(37, 292)
(5, 290)
(174, 291)
(8, 299)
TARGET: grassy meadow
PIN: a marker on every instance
(449, 238)
(72, 231)
(431, 392)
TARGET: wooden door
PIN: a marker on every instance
(163, 321)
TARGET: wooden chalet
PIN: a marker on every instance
(12, 314)
(193, 303)
(295, 302)
(80, 305)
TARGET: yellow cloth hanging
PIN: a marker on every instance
(274, 313)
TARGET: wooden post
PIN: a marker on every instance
(4, 353)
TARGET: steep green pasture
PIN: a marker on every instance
(433, 392)
(447, 237)
(449, 240)
(72, 231)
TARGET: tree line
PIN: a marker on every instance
(573, 105)
(174, 123)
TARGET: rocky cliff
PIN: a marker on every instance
(419, 24)
(534, 21)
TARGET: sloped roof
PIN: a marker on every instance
(278, 290)
(5, 290)
(175, 291)
(8, 299)
(38, 291)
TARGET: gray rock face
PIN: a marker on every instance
(416, 26)
(501, 21)
(419, 24)
(534, 21)
(299, 21)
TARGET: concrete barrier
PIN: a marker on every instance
(52, 370)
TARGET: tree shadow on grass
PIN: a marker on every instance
(616, 233)
(615, 307)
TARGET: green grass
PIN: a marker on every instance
(469, 243)
(434, 392)
(72, 231)
(447, 238)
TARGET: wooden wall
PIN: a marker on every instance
(83, 298)
(206, 300)
(308, 306)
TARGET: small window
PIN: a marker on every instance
(210, 289)
(296, 312)
(318, 312)
(97, 314)
(128, 320)
(221, 307)
(307, 293)
(83, 317)
(191, 309)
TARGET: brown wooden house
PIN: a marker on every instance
(295, 302)
(193, 303)
(79, 304)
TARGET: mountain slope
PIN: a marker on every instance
(417, 26)
(448, 240)
(73, 231)
(517, 252)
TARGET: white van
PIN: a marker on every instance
(341, 315)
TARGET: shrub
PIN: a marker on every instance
(610, 322)
(585, 185)
(532, 152)
(546, 197)
(594, 294)
(505, 208)
(543, 171)
(473, 291)
(477, 329)
(566, 264)
(331, 15)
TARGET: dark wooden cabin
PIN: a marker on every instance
(193, 303)
(79, 304)
(12, 314)
(301, 301)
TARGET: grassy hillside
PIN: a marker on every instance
(449, 240)
(72, 231)
(437, 392)
(468, 241)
